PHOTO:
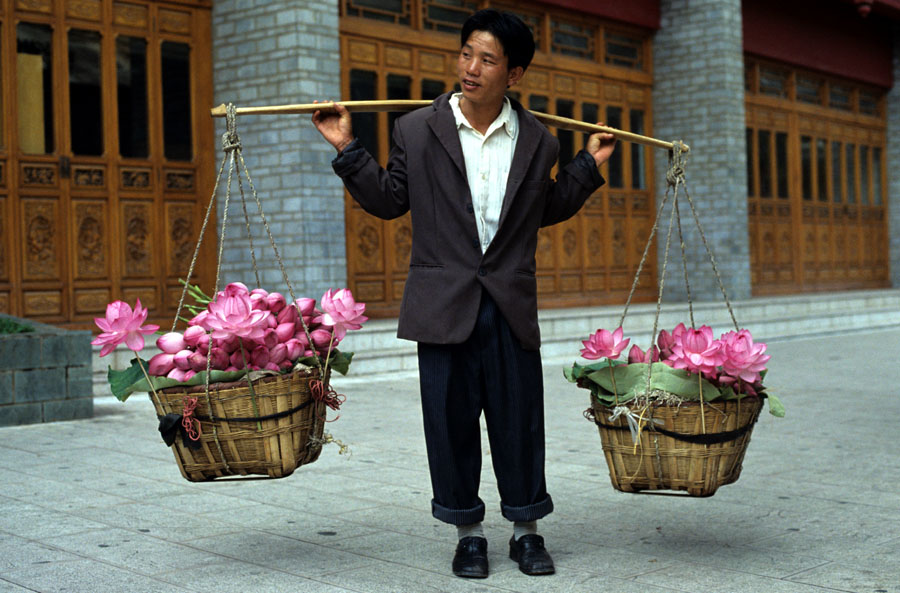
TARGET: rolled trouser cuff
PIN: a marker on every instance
(458, 516)
(531, 512)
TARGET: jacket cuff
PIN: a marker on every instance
(350, 159)
(587, 164)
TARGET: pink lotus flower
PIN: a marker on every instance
(123, 325)
(666, 341)
(603, 344)
(341, 311)
(294, 348)
(177, 374)
(161, 364)
(697, 351)
(638, 355)
(744, 360)
(172, 342)
(199, 318)
(234, 316)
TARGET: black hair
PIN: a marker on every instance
(514, 35)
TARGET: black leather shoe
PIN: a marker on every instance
(531, 555)
(471, 560)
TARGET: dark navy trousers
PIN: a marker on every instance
(490, 373)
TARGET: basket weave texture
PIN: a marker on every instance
(661, 462)
(275, 450)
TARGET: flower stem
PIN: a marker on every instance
(613, 378)
(250, 384)
(146, 376)
(702, 415)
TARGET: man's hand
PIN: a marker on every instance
(601, 146)
(334, 125)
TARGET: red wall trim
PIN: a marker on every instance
(643, 13)
(827, 36)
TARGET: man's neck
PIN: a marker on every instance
(480, 115)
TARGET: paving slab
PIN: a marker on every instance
(99, 505)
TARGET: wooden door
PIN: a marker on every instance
(105, 128)
(584, 68)
(816, 182)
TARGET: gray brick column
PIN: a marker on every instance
(893, 165)
(698, 96)
(271, 53)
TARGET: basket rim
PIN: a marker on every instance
(756, 399)
(223, 385)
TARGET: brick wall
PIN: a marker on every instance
(893, 159)
(698, 96)
(45, 375)
(271, 53)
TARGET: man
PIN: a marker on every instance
(473, 171)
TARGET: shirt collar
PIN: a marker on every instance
(507, 117)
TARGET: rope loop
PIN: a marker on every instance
(677, 162)
(230, 139)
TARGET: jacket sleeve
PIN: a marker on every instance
(381, 192)
(573, 186)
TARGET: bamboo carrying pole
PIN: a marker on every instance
(564, 123)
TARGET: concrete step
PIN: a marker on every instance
(378, 351)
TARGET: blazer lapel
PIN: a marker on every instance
(526, 147)
(443, 124)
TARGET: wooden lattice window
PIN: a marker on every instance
(624, 50)
(391, 11)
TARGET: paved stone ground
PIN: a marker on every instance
(98, 505)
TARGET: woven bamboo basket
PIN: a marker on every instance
(272, 447)
(665, 459)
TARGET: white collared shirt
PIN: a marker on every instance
(488, 158)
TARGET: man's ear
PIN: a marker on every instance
(514, 76)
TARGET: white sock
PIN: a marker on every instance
(521, 528)
(470, 530)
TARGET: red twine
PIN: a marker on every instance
(187, 420)
(326, 395)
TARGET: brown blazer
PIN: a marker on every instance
(426, 176)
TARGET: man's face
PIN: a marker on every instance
(483, 69)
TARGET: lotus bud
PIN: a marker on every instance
(230, 344)
(177, 374)
(236, 288)
(270, 338)
(288, 315)
(278, 353)
(276, 302)
(231, 369)
(161, 364)
(193, 335)
(171, 343)
(219, 358)
(309, 354)
(260, 356)
(321, 338)
(271, 321)
(260, 291)
(306, 306)
(272, 367)
(294, 349)
(300, 336)
(203, 346)
(197, 361)
(285, 331)
(237, 359)
(182, 359)
(188, 374)
(258, 301)
(285, 364)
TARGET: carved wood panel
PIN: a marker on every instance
(816, 189)
(81, 224)
(90, 232)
